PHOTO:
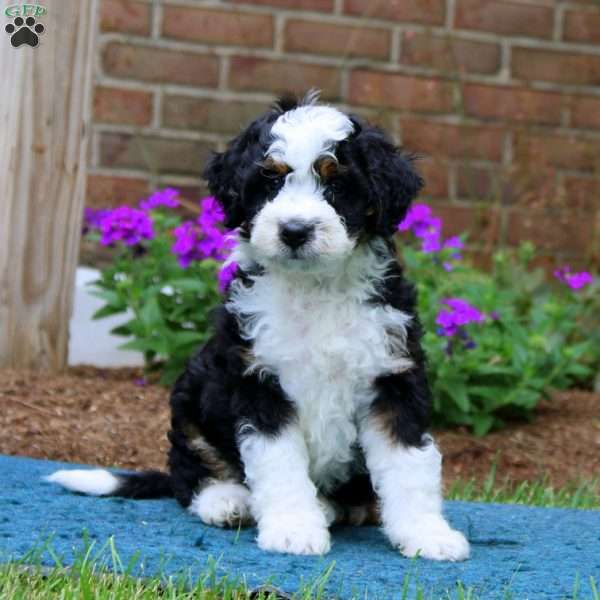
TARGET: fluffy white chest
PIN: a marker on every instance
(326, 347)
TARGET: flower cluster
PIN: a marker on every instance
(167, 198)
(575, 281)
(452, 322)
(92, 219)
(428, 228)
(125, 224)
(204, 237)
(460, 314)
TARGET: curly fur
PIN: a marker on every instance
(314, 381)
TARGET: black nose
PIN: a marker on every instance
(295, 233)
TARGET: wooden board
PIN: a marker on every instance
(44, 130)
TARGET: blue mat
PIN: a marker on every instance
(536, 552)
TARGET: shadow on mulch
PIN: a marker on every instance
(105, 417)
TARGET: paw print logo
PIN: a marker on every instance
(24, 31)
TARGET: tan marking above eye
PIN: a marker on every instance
(274, 168)
(326, 168)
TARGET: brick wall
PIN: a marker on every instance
(501, 99)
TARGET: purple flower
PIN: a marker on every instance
(227, 274)
(454, 242)
(92, 217)
(425, 226)
(197, 240)
(460, 314)
(167, 197)
(418, 216)
(428, 228)
(212, 212)
(575, 281)
(125, 224)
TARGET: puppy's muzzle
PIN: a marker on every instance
(295, 234)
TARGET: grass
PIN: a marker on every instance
(90, 579)
(87, 581)
(581, 494)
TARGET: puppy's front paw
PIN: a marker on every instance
(293, 534)
(432, 538)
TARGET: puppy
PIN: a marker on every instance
(310, 403)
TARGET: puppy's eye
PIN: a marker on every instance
(335, 186)
(272, 180)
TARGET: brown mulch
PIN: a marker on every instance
(107, 417)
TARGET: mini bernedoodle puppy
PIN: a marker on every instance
(310, 403)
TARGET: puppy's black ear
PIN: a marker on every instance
(226, 171)
(391, 175)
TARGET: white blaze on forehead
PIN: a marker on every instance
(303, 134)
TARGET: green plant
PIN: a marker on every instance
(497, 341)
(165, 271)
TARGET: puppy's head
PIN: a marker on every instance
(306, 183)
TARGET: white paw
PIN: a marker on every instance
(223, 504)
(294, 534)
(432, 538)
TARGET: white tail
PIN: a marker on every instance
(94, 482)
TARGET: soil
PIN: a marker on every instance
(112, 417)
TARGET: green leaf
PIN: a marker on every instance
(189, 285)
(150, 314)
(482, 424)
(107, 311)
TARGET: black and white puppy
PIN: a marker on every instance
(310, 403)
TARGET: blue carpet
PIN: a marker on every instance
(537, 551)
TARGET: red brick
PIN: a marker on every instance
(529, 182)
(435, 174)
(475, 182)
(130, 107)
(582, 26)
(581, 193)
(453, 141)
(210, 26)
(125, 16)
(512, 104)
(218, 116)
(430, 12)
(558, 151)
(257, 74)
(451, 54)
(337, 40)
(323, 5)
(107, 191)
(585, 111)
(390, 90)
(160, 66)
(550, 229)
(154, 154)
(481, 223)
(506, 18)
(554, 65)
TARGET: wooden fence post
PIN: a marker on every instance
(45, 106)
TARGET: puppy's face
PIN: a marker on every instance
(306, 185)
